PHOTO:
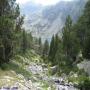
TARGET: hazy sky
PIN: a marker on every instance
(43, 2)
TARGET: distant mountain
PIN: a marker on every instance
(30, 8)
(46, 21)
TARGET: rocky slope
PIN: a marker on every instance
(85, 65)
(49, 20)
(29, 73)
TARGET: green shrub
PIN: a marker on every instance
(16, 68)
(84, 84)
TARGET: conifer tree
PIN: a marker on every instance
(45, 49)
(56, 42)
(52, 49)
(70, 41)
(9, 15)
(40, 46)
(66, 36)
(24, 42)
(83, 31)
(86, 20)
(29, 40)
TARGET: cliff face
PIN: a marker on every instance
(46, 21)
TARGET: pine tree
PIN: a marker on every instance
(24, 42)
(86, 48)
(9, 14)
(52, 49)
(45, 49)
(29, 40)
(83, 31)
(70, 41)
(56, 42)
(66, 36)
(40, 46)
(59, 52)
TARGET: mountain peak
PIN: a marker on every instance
(46, 21)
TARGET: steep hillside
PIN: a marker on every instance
(49, 20)
(29, 72)
(18, 73)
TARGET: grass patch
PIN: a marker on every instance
(18, 69)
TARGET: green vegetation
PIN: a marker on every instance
(85, 84)
(16, 68)
(75, 39)
(7, 30)
(45, 50)
(17, 45)
(24, 42)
